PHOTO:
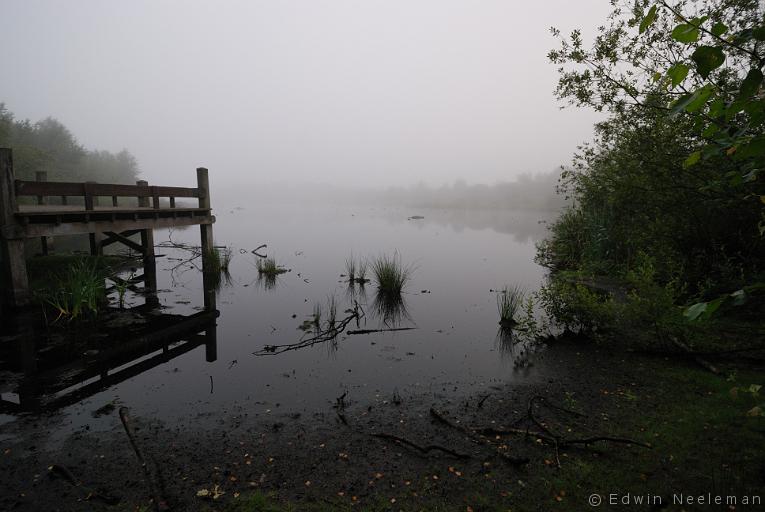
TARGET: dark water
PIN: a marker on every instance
(457, 257)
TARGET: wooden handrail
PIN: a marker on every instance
(60, 188)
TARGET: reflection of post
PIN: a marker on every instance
(211, 343)
(206, 235)
(11, 240)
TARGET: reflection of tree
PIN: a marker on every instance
(390, 308)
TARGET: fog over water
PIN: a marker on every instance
(352, 93)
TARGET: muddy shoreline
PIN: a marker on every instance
(318, 459)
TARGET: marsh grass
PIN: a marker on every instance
(77, 292)
(331, 312)
(391, 275)
(350, 268)
(356, 271)
(361, 278)
(509, 303)
(269, 267)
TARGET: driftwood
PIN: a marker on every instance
(475, 436)
(370, 331)
(329, 334)
(538, 431)
(155, 481)
(422, 449)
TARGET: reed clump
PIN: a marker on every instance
(509, 302)
(269, 267)
(390, 274)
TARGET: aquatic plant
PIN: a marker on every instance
(350, 268)
(269, 267)
(331, 312)
(317, 315)
(509, 302)
(361, 277)
(391, 275)
(77, 292)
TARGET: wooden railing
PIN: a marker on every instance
(91, 192)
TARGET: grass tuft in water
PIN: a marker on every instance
(269, 267)
(391, 275)
(509, 302)
(350, 268)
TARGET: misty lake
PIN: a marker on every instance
(458, 260)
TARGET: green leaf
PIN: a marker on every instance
(699, 98)
(707, 59)
(719, 29)
(710, 130)
(739, 297)
(753, 148)
(649, 18)
(685, 33)
(692, 159)
(693, 312)
(751, 84)
(677, 73)
(759, 33)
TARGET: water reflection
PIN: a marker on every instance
(390, 309)
(46, 368)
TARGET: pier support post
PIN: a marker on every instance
(207, 243)
(14, 266)
(41, 200)
(91, 203)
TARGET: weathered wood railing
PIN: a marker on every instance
(91, 192)
(105, 225)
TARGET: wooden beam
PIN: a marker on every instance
(113, 237)
(11, 249)
(122, 223)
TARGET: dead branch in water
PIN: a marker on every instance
(329, 334)
(370, 331)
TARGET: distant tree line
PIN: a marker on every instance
(527, 192)
(49, 146)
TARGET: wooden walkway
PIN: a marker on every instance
(108, 213)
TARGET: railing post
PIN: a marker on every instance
(91, 202)
(206, 235)
(143, 202)
(42, 176)
(11, 240)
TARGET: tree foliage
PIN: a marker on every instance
(676, 170)
(49, 146)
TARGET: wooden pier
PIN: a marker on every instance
(108, 213)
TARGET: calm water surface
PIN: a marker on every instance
(458, 258)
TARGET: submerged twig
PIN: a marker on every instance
(329, 334)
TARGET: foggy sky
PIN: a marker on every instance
(353, 92)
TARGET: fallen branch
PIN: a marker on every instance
(329, 334)
(370, 331)
(422, 449)
(155, 484)
(477, 437)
